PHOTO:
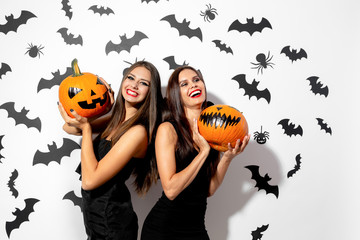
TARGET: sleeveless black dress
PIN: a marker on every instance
(184, 217)
(108, 212)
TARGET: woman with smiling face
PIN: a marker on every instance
(190, 171)
(122, 149)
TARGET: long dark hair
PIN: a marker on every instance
(175, 113)
(148, 115)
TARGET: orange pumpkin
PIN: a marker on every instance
(222, 124)
(83, 92)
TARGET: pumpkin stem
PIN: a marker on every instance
(75, 68)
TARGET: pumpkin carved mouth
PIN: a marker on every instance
(219, 120)
(85, 105)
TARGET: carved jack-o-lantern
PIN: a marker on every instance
(84, 93)
(222, 124)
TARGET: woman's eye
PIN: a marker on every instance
(196, 79)
(183, 84)
(130, 77)
(144, 83)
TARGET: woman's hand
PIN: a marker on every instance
(73, 125)
(239, 147)
(199, 140)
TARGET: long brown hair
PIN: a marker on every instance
(148, 115)
(175, 113)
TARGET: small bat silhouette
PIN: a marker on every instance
(101, 10)
(317, 87)
(324, 126)
(12, 23)
(55, 154)
(290, 128)
(251, 89)
(4, 69)
(126, 43)
(56, 80)
(222, 46)
(1, 146)
(67, 8)
(20, 117)
(250, 26)
(293, 54)
(257, 234)
(183, 27)
(172, 64)
(11, 183)
(296, 167)
(21, 215)
(147, 1)
(262, 182)
(77, 201)
(69, 38)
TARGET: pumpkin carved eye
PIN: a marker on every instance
(98, 81)
(73, 91)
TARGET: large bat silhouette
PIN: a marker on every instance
(55, 154)
(12, 23)
(250, 26)
(323, 125)
(172, 64)
(11, 183)
(262, 182)
(296, 167)
(66, 7)
(21, 215)
(56, 80)
(222, 46)
(125, 44)
(289, 128)
(257, 234)
(251, 89)
(69, 38)
(317, 87)
(4, 69)
(77, 201)
(183, 27)
(20, 117)
(293, 54)
(101, 10)
(1, 147)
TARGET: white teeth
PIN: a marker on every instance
(132, 93)
(195, 93)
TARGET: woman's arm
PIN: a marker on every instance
(165, 145)
(224, 163)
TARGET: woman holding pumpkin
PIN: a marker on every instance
(190, 171)
(123, 148)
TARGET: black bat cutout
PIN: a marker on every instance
(251, 89)
(12, 23)
(262, 182)
(77, 201)
(257, 234)
(222, 46)
(324, 126)
(21, 215)
(20, 117)
(67, 8)
(289, 128)
(4, 69)
(317, 87)
(55, 81)
(296, 167)
(69, 38)
(1, 147)
(250, 26)
(101, 10)
(172, 64)
(147, 1)
(183, 27)
(11, 183)
(293, 54)
(126, 43)
(55, 154)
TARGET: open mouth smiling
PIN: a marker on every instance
(131, 93)
(196, 93)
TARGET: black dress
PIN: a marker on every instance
(184, 217)
(108, 212)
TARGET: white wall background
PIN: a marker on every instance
(321, 201)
